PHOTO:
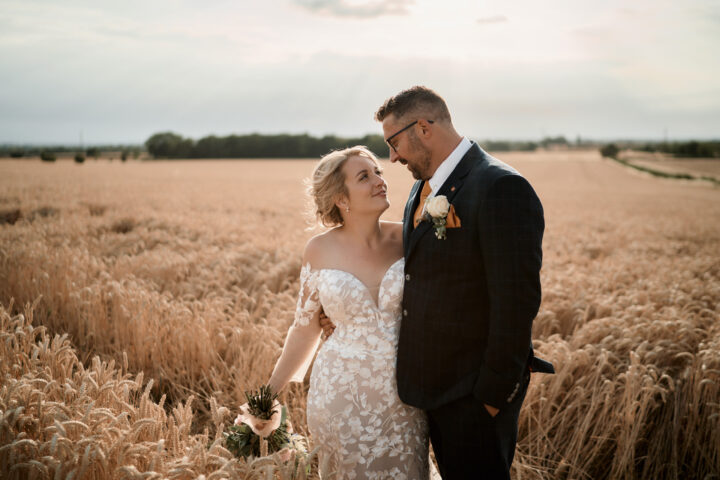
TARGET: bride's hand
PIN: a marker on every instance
(244, 412)
(262, 428)
(326, 324)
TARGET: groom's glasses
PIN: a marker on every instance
(387, 140)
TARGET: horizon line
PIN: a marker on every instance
(583, 139)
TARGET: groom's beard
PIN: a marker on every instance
(420, 167)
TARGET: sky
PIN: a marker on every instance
(117, 72)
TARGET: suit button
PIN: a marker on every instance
(405, 313)
(407, 277)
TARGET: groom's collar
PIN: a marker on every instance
(448, 165)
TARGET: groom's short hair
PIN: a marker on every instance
(417, 101)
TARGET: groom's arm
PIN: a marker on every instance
(511, 228)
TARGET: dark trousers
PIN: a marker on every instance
(470, 444)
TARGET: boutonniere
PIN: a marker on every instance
(442, 215)
(437, 209)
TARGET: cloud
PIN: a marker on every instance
(493, 19)
(345, 8)
(120, 74)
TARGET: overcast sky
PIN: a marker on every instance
(121, 71)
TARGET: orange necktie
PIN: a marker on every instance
(419, 210)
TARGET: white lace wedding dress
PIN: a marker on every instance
(354, 414)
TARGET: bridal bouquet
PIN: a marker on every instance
(262, 428)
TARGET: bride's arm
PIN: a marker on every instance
(304, 335)
(297, 354)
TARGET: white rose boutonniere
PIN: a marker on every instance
(437, 209)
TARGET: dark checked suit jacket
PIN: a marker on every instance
(470, 299)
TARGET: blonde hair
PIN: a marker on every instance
(327, 184)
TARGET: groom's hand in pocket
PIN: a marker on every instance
(327, 325)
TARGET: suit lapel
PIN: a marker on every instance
(450, 189)
(410, 207)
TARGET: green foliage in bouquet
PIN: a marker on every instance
(243, 442)
(260, 404)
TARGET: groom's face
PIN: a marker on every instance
(406, 148)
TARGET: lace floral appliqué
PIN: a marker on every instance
(354, 413)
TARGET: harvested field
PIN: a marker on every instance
(186, 273)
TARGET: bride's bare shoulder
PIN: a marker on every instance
(319, 248)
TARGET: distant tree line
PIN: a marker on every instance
(693, 149)
(690, 149)
(171, 145)
(48, 153)
(508, 146)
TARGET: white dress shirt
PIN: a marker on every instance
(448, 165)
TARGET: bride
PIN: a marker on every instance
(354, 272)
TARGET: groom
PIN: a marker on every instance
(465, 352)
(471, 291)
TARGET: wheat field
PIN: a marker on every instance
(139, 300)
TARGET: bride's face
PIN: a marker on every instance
(367, 190)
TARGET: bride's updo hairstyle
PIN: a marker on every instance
(327, 183)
